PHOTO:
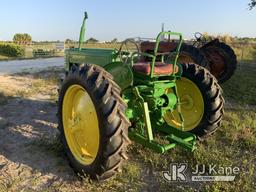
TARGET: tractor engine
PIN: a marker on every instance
(160, 98)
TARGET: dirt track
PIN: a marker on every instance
(30, 155)
(10, 67)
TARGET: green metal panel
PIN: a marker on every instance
(99, 57)
(121, 72)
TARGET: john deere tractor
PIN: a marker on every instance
(110, 97)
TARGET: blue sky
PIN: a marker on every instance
(61, 19)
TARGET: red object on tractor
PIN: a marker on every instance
(216, 56)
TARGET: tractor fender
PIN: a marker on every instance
(121, 72)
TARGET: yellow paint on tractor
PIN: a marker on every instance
(192, 106)
(81, 125)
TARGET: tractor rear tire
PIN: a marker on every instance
(111, 122)
(212, 98)
(201, 102)
(218, 54)
(191, 54)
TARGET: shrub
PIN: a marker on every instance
(226, 38)
(11, 50)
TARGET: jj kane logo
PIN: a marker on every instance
(179, 172)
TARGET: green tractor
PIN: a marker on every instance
(110, 97)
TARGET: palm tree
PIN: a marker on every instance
(17, 38)
(22, 38)
(27, 38)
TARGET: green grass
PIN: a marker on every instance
(241, 88)
(3, 98)
(245, 53)
(232, 145)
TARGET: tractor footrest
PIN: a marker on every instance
(183, 138)
(187, 142)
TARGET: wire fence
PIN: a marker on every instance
(44, 50)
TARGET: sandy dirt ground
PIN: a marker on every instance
(30, 156)
(8, 67)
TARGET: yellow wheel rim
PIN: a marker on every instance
(192, 106)
(81, 125)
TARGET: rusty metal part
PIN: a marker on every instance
(188, 53)
(221, 58)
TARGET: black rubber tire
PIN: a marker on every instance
(113, 124)
(196, 55)
(190, 53)
(230, 59)
(212, 95)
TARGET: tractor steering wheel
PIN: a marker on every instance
(200, 39)
(127, 52)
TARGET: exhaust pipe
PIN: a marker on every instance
(82, 31)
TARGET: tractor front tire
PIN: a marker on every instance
(94, 129)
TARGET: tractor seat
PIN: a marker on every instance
(159, 69)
